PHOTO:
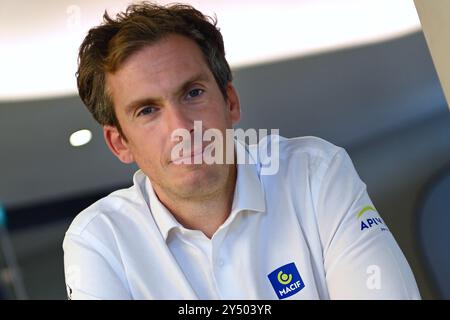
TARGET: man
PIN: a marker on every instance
(188, 230)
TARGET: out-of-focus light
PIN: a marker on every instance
(80, 137)
(39, 59)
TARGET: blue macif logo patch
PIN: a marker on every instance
(286, 280)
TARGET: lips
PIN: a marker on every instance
(192, 155)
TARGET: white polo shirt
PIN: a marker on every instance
(308, 232)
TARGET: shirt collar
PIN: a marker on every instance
(248, 193)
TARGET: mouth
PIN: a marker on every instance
(189, 158)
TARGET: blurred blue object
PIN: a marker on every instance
(2, 225)
(7, 250)
(2, 217)
(434, 231)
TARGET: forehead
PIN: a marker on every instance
(157, 68)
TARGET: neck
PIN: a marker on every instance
(206, 214)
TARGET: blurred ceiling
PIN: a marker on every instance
(40, 38)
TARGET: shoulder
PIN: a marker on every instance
(311, 153)
(311, 145)
(104, 209)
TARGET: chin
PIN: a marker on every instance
(196, 179)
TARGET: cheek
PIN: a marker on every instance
(218, 117)
(154, 151)
(148, 160)
(226, 119)
(142, 149)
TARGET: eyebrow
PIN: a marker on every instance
(130, 107)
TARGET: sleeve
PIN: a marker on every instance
(91, 271)
(362, 260)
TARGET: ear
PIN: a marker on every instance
(233, 104)
(117, 144)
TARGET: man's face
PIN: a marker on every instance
(163, 87)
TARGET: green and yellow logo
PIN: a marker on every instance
(284, 278)
(366, 208)
(370, 222)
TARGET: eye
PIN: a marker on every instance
(195, 93)
(146, 110)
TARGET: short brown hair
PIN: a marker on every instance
(107, 46)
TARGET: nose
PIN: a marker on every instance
(176, 117)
